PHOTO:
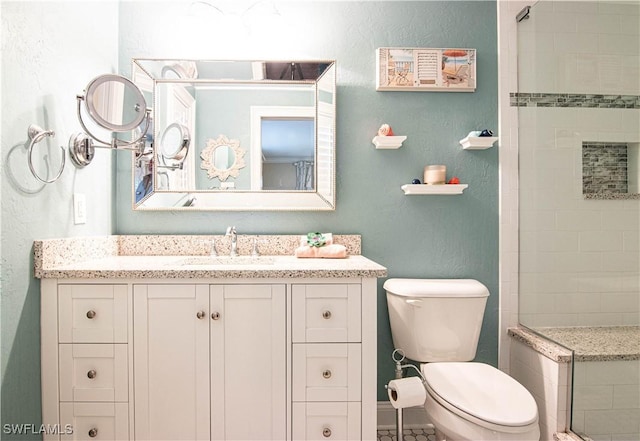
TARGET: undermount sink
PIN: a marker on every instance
(228, 260)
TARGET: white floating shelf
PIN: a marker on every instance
(388, 142)
(478, 142)
(419, 189)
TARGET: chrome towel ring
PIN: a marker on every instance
(37, 134)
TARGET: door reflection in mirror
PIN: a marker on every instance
(287, 153)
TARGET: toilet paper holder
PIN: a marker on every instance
(398, 357)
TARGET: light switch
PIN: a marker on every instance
(79, 208)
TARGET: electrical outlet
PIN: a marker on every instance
(79, 208)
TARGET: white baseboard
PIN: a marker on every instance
(412, 417)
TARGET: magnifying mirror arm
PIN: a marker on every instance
(172, 167)
(179, 165)
(115, 143)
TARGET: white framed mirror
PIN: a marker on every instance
(281, 113)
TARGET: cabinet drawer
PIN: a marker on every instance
(95, 421)
(326, 372)
(92, 313)
(326, 313)
(326, 421)
(93, 372)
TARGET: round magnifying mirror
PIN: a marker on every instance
(224, 157)
(115, 103)
(174, 142)
(180, 70)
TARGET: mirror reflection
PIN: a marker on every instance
(222, 158)
(281, 113)
(115, 103)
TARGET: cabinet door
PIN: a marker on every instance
(171, 362)
(248, 362)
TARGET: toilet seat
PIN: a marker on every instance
(481, 394)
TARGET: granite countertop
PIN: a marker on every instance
(603, 343)
(187, 257)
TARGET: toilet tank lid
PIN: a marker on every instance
(436, 288)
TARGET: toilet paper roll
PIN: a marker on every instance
(406, 392)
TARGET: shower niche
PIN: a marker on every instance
(610, 170)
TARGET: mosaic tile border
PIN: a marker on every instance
(521, 99)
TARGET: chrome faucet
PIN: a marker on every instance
(231, 231)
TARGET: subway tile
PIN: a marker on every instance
(625, 437)
(630, 25)
(600, 241)
(598, 319)
(631, 319)
(621, 220)
(571, 42)
(630, 282)
(612, 372)
(576, 7)
(621, 8)
(578, 220)
(577, 421)
(620, 261)
(592, 397)
(614, 44)
(600, 282)
(577, 302)
(620, 302)
(617, 421)
(625, 397)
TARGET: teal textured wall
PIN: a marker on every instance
(50, 51)
(413, 236)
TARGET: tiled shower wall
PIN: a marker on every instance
(605, 401)
(579, 258)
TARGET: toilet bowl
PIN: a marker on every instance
(437, 322)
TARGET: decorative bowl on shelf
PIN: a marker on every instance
(388, 142)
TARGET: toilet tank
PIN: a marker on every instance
(436, 319)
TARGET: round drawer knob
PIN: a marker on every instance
(93, 432)
(200, 314)
(215, 315)
(326, 432)
(326, 373)
(91, 314)
(326, 315)
(92, 374)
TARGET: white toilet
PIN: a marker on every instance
(437, 322)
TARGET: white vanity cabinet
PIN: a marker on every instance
(210, 362)
(210, 355)
(85, 360)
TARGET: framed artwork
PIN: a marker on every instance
(425, 69)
